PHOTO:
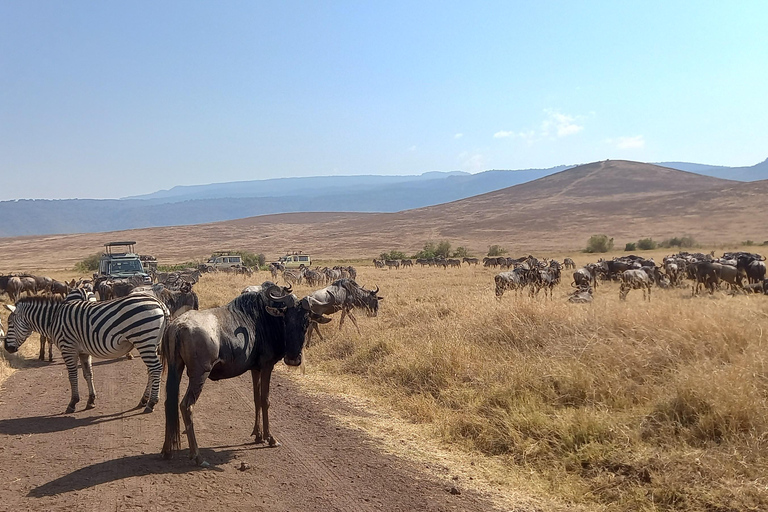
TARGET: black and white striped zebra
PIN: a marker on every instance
(106, 330)
(73, 295)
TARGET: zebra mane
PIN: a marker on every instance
(39, 299)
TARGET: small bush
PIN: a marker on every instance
(89, 264)
(599, 243)
(685, 242)
(461, 252)
(748, 243)
(646, 244)
(393, 255)
(631, 246)
(496, 250)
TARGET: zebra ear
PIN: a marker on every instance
(10, 307)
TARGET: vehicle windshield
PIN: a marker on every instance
(125, 266)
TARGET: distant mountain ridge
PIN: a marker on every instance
(199, 204)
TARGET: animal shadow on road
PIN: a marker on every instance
(57, 423)
(126, 467)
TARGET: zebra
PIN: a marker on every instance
(73, 295)
(82, 329)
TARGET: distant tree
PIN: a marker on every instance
(631, 246)
(461, 252)
(443, 249)
(496, 250)
(393, 255)
(262, 259)
(427, 252)
(89, 264)
(646, 244)
(599, 243)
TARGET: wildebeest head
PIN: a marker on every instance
(370, 299)
(296, 315)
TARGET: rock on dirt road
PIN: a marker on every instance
(108, 458)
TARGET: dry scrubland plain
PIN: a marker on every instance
(608, 406)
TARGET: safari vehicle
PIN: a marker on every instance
(296, 259)
(120, 261)
(223, 259)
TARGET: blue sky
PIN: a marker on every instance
(108, 99)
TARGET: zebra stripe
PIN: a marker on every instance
(107, 330)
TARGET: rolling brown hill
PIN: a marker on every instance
(625, 200)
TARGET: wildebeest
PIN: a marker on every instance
(177, 301)
(581, 278)
(707, 274)
(635, 279)
(343, 295)
(512, 280)
(379, 264)
(470, 261)
(253, 332)
(453, 262)
(582, 295)
(569, 264)
(406, 263)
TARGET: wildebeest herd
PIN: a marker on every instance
(736, 272)
(267, 323)
(263, 325)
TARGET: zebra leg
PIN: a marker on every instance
(154, 370)
(256, 378)
(70, 360)
(190, 397)
(87, 363)
(50, 350)
(42, 348)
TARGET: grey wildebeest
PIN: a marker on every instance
(82, 329)
(470, 261)
(343, 295)
(253, 332)
(512, 280)
(177, 301)
(635, 279)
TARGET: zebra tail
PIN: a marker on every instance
(171, 358)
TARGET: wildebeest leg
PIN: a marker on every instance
(86, 362)
(266, 376)
(70, 359)
(190, 397)
(354, 321)
(256, 378)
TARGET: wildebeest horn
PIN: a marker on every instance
(288, 289)
(276, 293)
(374, 292)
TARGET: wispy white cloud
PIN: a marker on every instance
(561, 124)
(555, 124)
(458, 136)
(636, 142)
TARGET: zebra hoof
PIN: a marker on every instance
(70, 409)
(89, 405)
(129, 356)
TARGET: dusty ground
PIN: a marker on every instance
(108, 458)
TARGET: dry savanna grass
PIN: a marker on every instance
(607, 406)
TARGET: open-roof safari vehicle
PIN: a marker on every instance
(120, 261)
(224, 259)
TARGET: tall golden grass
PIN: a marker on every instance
(610, 405)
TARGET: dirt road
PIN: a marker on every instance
(108, 458)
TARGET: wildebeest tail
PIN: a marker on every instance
(172, 361)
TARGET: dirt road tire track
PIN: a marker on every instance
(108, 458)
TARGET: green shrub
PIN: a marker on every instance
(599, 243)
(646, 244)
(496, 250)
(631, 246)
(89, 264)
(393, 255)
(461, 252)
